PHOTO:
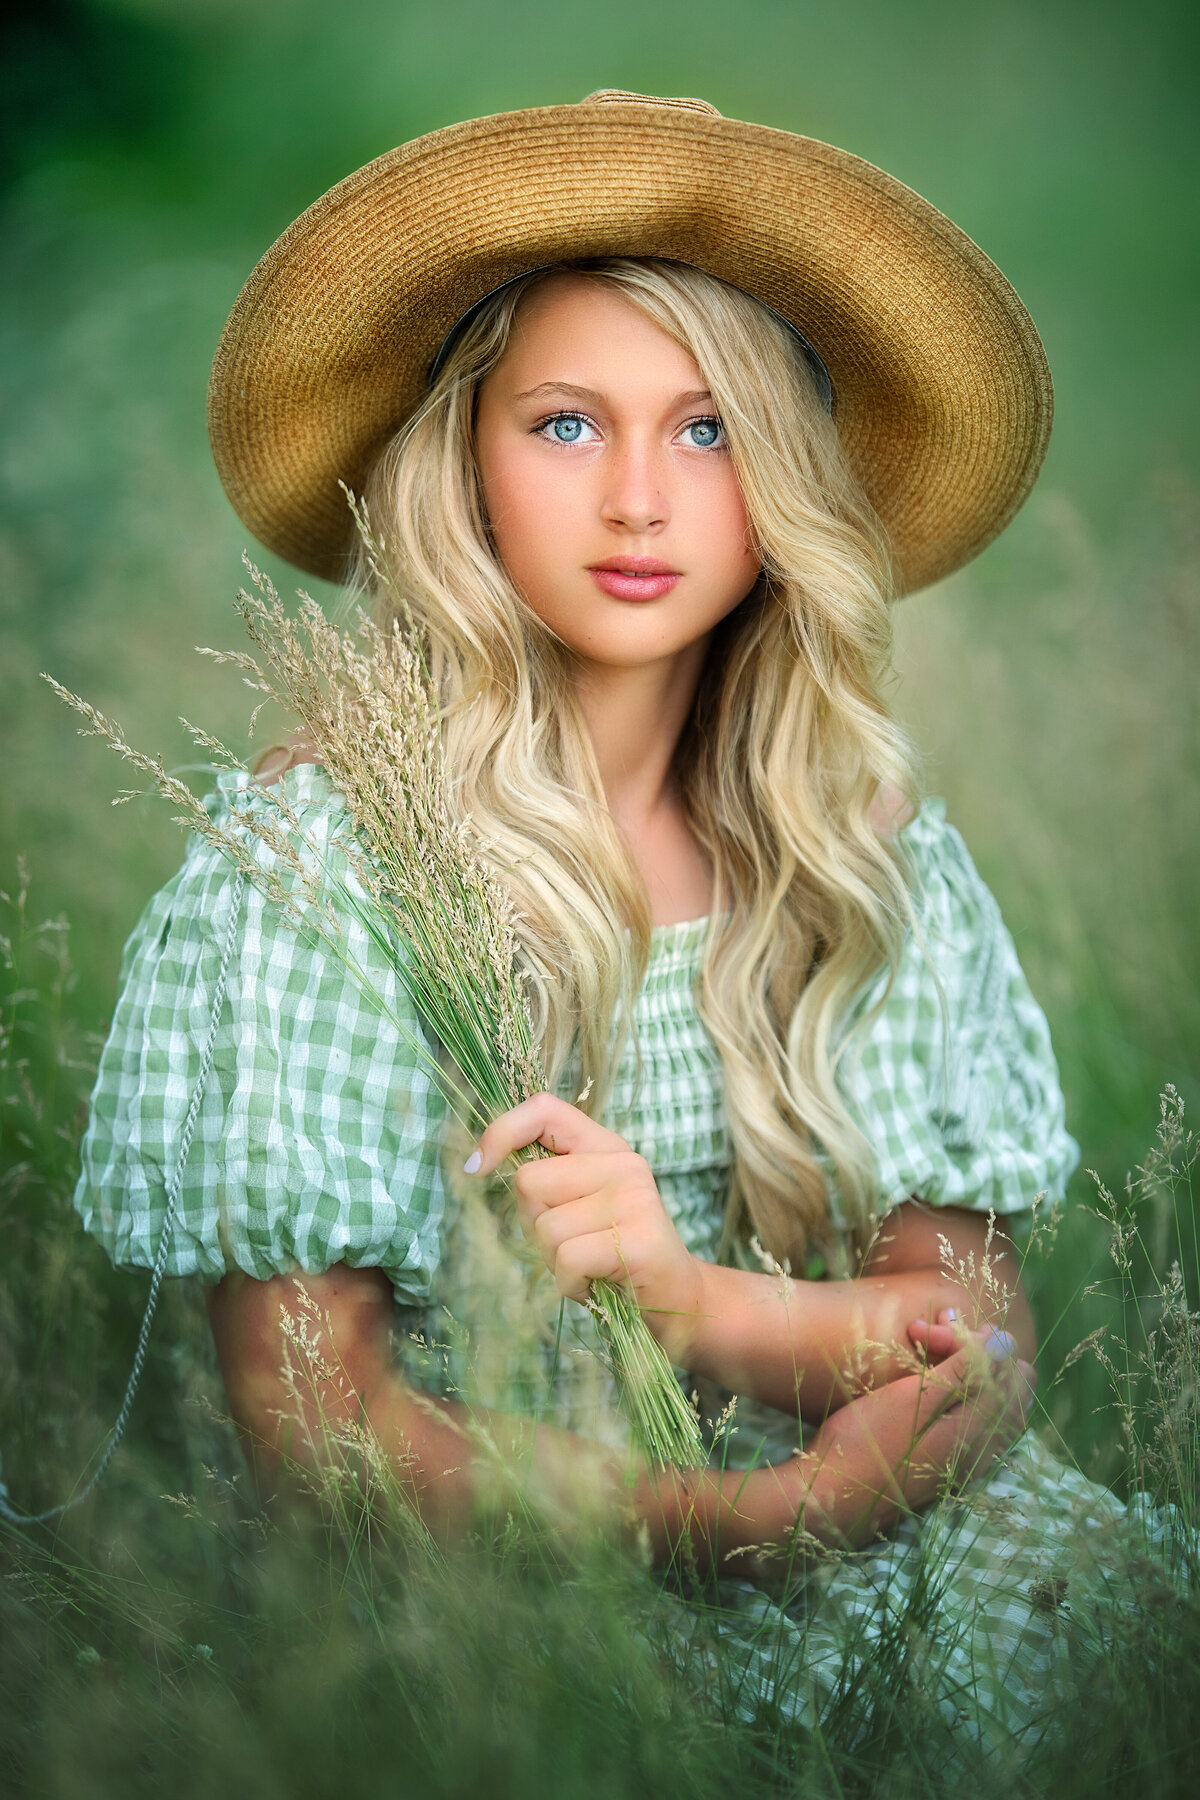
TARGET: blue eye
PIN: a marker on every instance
(565, 428)
(706, 433)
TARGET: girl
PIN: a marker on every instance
(655, 413)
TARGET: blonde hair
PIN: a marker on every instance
(788, 744)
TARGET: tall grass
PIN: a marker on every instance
(1054, 686)
(196, 1645)
(1055, 683)
(416, 882)
(173, 1636)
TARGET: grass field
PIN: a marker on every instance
(194, 1647)
(173, 1636)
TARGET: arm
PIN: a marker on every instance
(879, 1455)
(346, 1384)
(983, 1261)
(817, 1343)
(596, 1213)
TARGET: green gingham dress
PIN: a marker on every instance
(319, 1141)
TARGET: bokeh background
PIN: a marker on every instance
(154, 148)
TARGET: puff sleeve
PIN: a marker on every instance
(952, 1079)
(318, 1135)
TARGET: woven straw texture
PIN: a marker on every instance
(942, 394)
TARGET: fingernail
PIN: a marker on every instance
(1001, 1345)
(950, 1315)
(473, 1163)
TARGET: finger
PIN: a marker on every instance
(557, 1225)
(937, 1341)
(988, 1430)
(555, 1181)
(964, 1379)
(996, 1405)
(543, 1119)
(587, 1259)
(987, 1345)
(944, 1384)
(985, 1366)
(941, 1336)
(941, 1340)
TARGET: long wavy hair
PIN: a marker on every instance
(787, 746)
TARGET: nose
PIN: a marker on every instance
(634, 498)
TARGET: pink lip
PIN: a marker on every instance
(634, 577)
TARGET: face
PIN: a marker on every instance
(610, 491)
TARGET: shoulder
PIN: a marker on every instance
(267, 909)
(294, 752)
(287, 786)
(948, 1064)
(269, 839)
(949, 894)
(959, 959)
(956, 946)
(945, 885)
(890, 810)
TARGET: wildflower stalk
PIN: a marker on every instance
(418, 886)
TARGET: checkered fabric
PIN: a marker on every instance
(988, 1610)
(318, 1136)
(318, 1142)
(950, 1072)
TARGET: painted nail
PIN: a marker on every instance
(473, 1163)
(950, 1315)
(1001, 1345)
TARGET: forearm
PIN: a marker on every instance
(313, 1388)
(449, 1462)
(454, 1465)
(458, 1463)
(813, 1345)
(810, 1345)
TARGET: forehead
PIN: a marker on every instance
(573, 322)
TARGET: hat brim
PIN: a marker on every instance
(943, 398)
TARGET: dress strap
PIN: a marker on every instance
(8, 1512)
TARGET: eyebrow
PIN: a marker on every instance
(695, 397)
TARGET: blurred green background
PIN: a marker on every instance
(154, 148)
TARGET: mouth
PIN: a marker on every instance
(634, 577)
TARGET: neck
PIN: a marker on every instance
(635, 718)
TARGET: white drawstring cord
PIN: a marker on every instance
(8, 1512)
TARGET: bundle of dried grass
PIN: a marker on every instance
(423, 892)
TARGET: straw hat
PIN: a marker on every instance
(941, 391)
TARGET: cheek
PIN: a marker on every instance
(517, 506)
(722, 517)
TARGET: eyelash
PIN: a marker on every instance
(553, 418)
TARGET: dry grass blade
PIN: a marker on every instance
(419, 887)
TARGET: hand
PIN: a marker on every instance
(947, 1333)
(595, 1213)
(900, 1446)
